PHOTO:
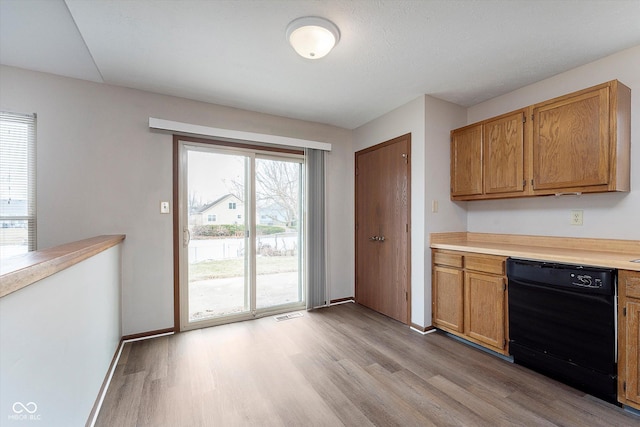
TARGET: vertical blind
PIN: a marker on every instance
(316, 229)
(17, 183)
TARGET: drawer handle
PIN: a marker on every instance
(577, 193)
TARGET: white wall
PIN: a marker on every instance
(429, 121)
(408, 118)
(605, 215)
(340, 221)
(58, 337)
(440, 118)
(102, 171)
(609, 215)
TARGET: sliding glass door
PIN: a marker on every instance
(216, 233)
(278, 238)
(240, 218)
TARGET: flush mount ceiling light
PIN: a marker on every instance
(312, 37)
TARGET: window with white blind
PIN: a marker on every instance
(17, 184)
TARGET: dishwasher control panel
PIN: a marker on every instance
(585, 281)
(575, 278)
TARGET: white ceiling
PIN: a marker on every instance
(234, 52)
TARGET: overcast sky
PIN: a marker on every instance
(208, 173)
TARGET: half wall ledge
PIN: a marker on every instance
(23, 270)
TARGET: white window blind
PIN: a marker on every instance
(17, 183)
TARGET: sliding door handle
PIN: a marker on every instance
(186, 237)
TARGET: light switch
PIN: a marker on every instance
(434, 206)
(164, 208)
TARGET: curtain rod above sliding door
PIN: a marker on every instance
(190, 129)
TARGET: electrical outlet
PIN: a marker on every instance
(576, 217)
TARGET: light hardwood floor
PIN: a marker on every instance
(343, 365)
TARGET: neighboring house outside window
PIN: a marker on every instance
(227, 209)
(17, 183)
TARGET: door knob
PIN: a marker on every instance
(374, 238)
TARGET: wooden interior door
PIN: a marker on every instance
(382, 228)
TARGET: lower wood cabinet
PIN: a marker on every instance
(484, 302)
(470, 297)
(628, 337)
(448, 298)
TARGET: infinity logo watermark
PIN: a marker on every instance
(20, 407)
(24, 412)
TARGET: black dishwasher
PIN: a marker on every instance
(562, 323)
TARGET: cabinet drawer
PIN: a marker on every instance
(631, 282)
(447, 258)
(486, 264)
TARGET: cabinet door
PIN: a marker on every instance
(466, 161)
(632, 349)
(504, 154)
(571, 141)
(484, 308)
(448, 298)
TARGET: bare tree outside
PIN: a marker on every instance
(195, 201)
(277, 190)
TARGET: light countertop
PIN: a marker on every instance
(595, 252)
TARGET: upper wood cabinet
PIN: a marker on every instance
(581, 141)
(503, 142)
(575, 143)
(466, 161)
(487, 158)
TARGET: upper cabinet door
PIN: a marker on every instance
(576, 143)
(466, 161)
(571, 137)
(504, 154)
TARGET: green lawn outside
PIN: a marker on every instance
(235, 267)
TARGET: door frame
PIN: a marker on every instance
(392, 141)
(178, 208)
